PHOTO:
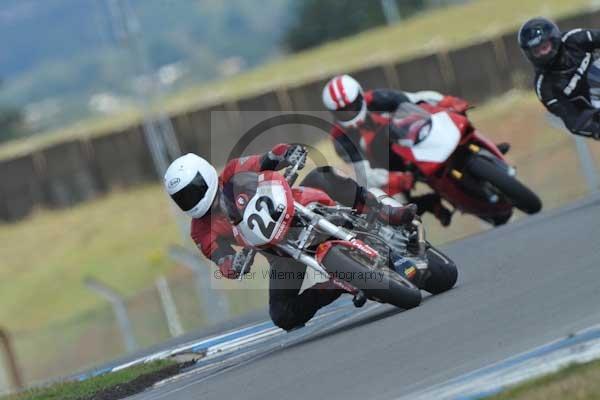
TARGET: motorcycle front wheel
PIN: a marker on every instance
(520, 195)
(442, 270)
(382, 285)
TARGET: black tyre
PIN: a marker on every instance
(382, 285)
(443, 272)
(520, 195)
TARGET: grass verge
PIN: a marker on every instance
(113, 386)
(575, 382)
(429, 32)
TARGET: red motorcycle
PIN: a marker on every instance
(443, 149)
(352, 251)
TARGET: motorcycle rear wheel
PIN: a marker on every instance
(384, 285)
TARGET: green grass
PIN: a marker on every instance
(119, 239)
(90, 387)
(429, 32)
(575, 382)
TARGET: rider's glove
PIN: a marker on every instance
(231, 266)
(295, 154)
(424, 96)
(455, 104)
(284, 155)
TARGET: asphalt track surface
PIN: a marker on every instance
(520, 286)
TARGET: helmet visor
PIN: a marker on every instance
(350, 111)
(189, 197)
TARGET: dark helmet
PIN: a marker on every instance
(540, 39)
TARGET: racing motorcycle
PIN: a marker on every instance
(443, 150)
(352, 251)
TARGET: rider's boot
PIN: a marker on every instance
(388, 209)
(442, 214)
(432, 203)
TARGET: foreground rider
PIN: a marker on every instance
(567, 79)
(363, 119)
(196, 188)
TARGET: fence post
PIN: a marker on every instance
(11, 358)
(215, 305)
(119, 308)
(169, 307)
(587, 163)
(586, 160)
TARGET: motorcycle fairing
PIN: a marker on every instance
(440, 143)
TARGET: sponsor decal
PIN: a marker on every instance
(174, 182)
(242, 200)
(577, 77)
(369, 251)
(410, 272)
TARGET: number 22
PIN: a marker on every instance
(265, 230)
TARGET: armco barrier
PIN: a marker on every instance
(121, 158)
(307, 97)
(373, 77)
(71, 172)
(429, 72)
(477, 72)
(21, 189)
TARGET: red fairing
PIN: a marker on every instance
(427, 168)
(462, 123)
(455, 104)
(488, 144)
(307, 195)
(269, 178)
(357, 244)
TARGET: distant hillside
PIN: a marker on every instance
(66, 50)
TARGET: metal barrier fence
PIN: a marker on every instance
(90, 339)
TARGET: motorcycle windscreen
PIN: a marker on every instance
(440, 142)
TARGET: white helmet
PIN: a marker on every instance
(343, 96)
(192, 184)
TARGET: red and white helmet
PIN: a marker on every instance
(343, 96)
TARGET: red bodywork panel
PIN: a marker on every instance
(267, 178)
(359, 245)
(307, 195)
